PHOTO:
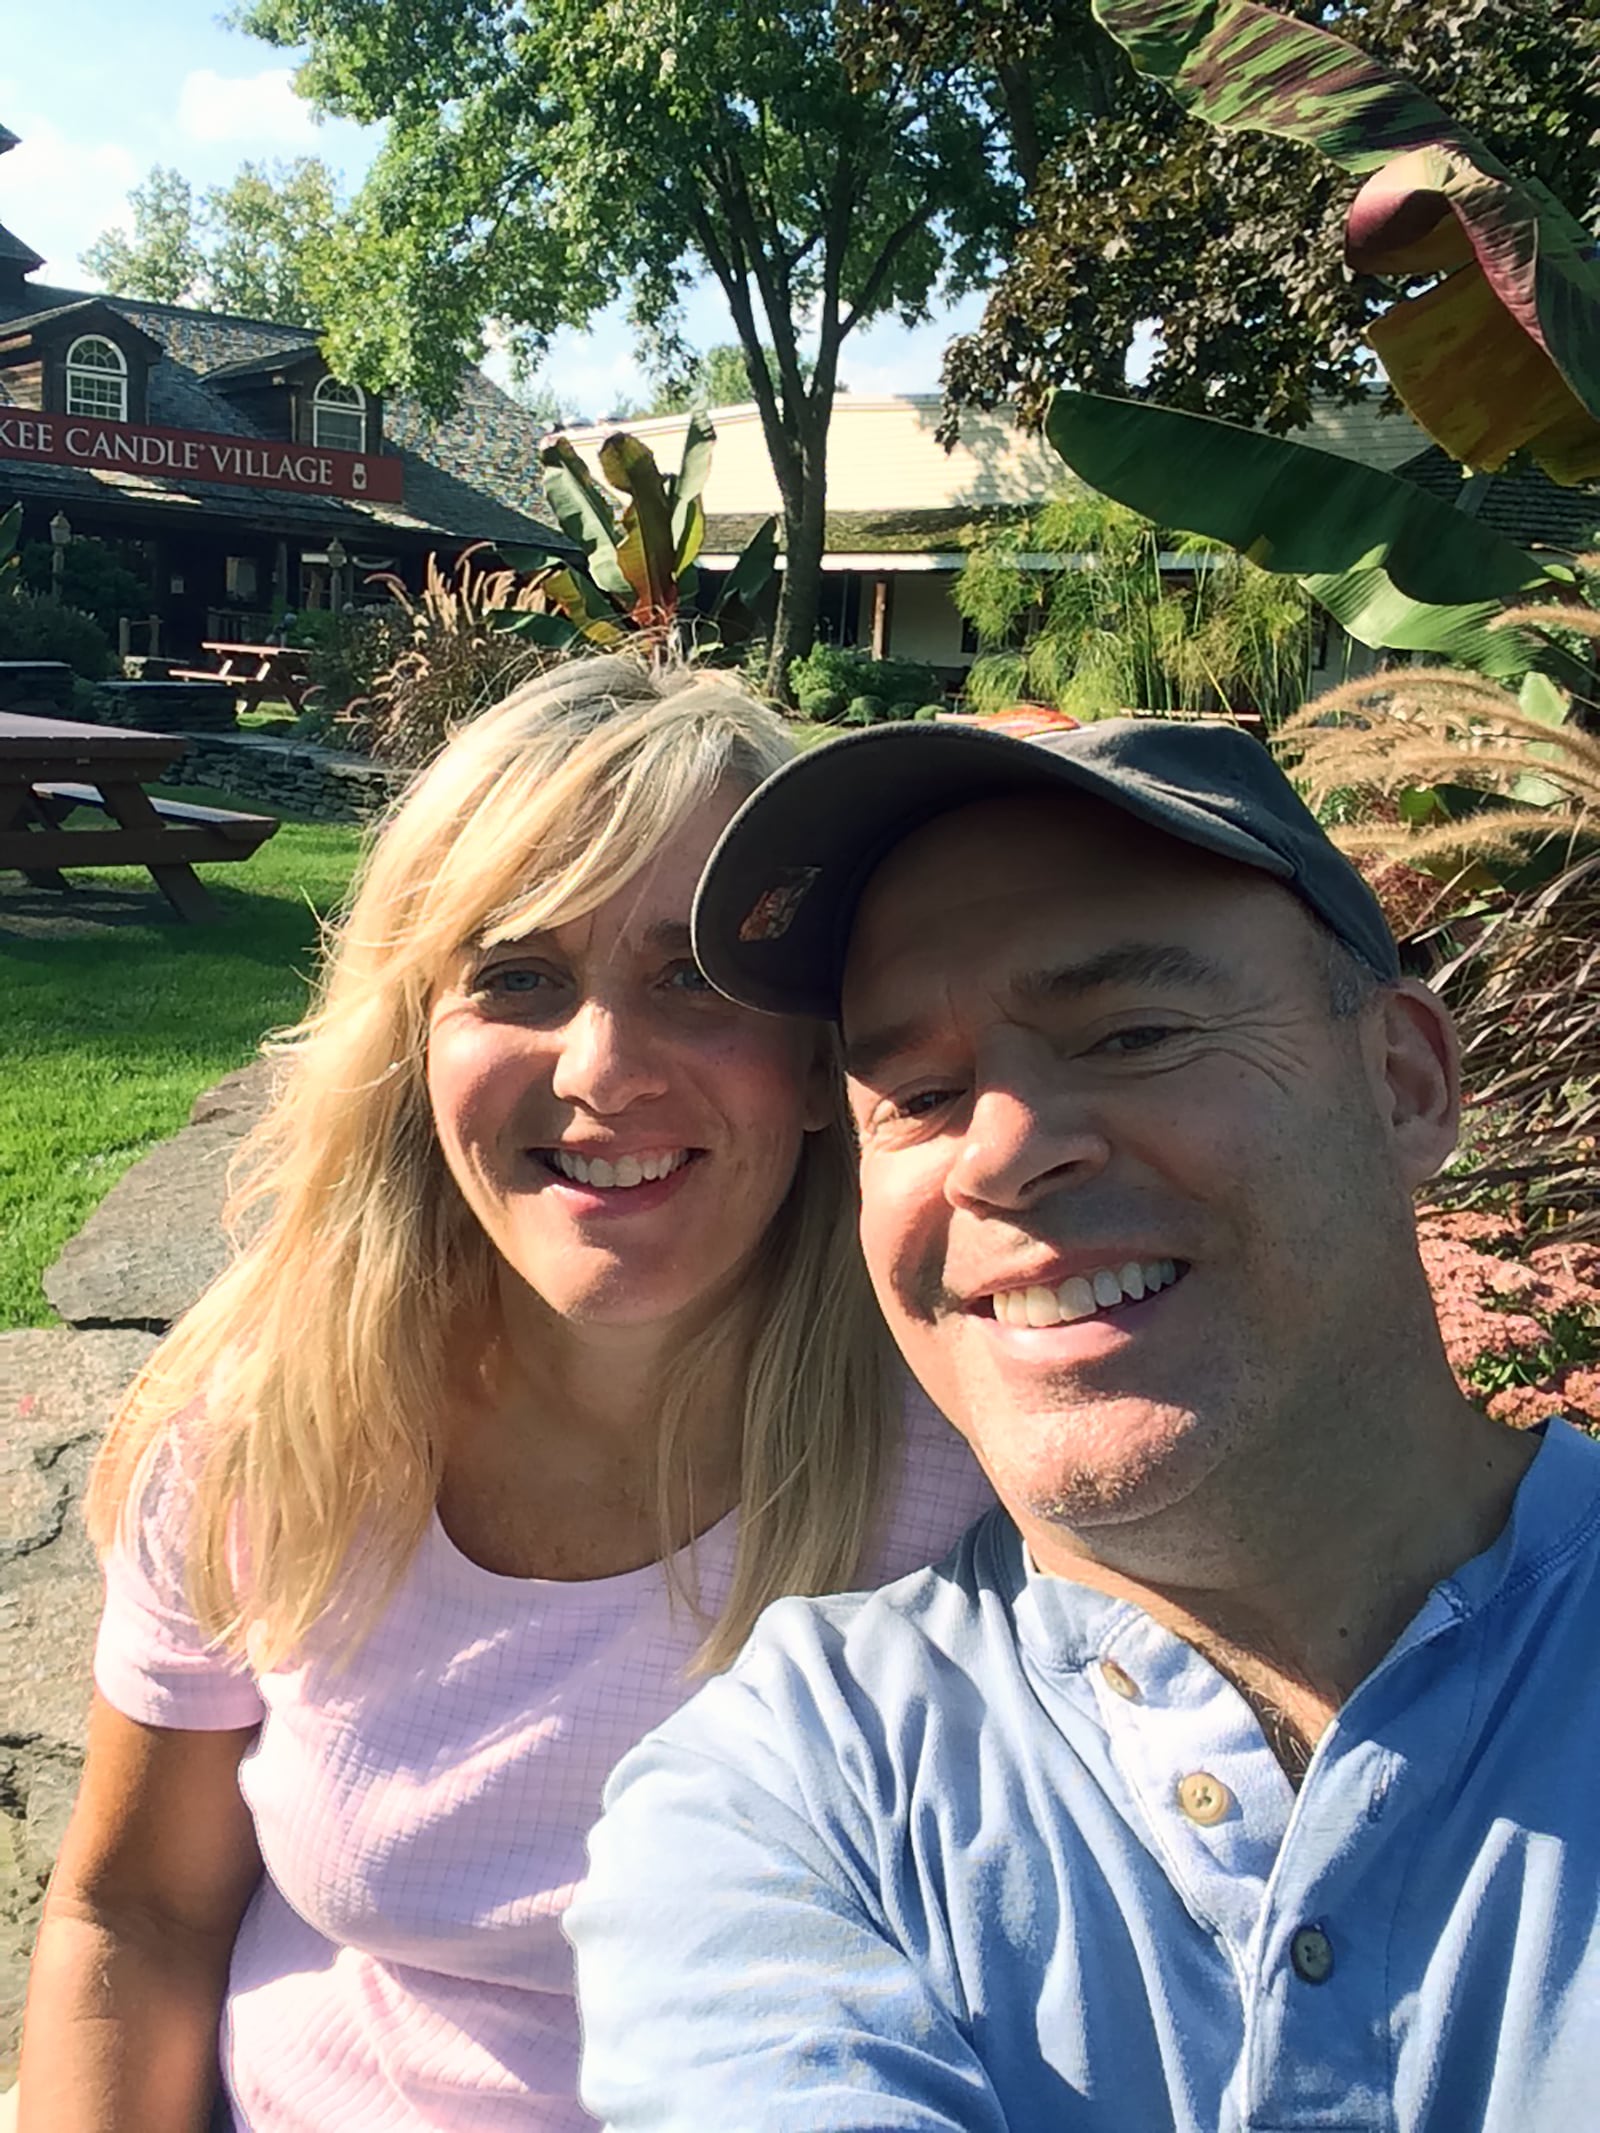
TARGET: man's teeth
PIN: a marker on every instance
(1084, 1294)
(629, 1170)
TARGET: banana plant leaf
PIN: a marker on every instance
(1520, 297)
(752, 573)
(10, 539)
(554, 631)
(647, 552)
(1395, 566)
(584, 511)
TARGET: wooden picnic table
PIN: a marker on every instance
(50, 767)
(260, 673)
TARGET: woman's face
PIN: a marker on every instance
(623, 1133)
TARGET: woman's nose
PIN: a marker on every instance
(607, 1060)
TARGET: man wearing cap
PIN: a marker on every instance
(1244, 1775)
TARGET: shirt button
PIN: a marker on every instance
(1203, 1798)
(1119, 1681)
(1311, 1953)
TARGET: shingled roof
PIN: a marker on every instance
(474, 476)
(1526, 507)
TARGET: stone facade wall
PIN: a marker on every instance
(324, 783)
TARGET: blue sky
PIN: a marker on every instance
(108, 87)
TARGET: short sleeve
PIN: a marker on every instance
(153, 1662)
(733, 1973)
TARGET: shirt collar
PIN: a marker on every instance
(1063, 1626)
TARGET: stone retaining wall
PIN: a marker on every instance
(324, 783)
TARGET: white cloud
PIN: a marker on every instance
(58, 195)
(246, 111)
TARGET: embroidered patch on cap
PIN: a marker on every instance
(773, 912)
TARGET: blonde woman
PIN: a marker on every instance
(549, 1363)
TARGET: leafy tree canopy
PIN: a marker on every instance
(718, 378)
(544, 159)
(1230, 247)
(260, 247)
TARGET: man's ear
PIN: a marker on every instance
(1417, 1063)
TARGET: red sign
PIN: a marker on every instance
(197, 455)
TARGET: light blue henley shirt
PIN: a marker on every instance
(992, 1851)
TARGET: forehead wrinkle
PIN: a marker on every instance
(1132, 963)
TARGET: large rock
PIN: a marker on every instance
(58, 1389)
(155, 1241)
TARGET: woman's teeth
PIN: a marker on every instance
(627, 1170)
(1084, 1294)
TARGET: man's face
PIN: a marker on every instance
(1129, 1196)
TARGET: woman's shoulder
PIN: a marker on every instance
(935, 1490)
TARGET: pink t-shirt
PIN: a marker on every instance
(422, 1812)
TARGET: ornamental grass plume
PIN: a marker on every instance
(1517, 924)
(1411, 729)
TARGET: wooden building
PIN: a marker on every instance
(228, 466)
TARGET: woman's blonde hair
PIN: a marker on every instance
(320, 1365)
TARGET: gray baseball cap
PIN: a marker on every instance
(776, 904)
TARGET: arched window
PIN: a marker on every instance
(338, 417)
(97, 378)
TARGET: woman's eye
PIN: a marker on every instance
(511, 981)
(688, 977)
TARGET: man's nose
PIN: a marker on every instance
(1029, 1133)
(607, 1060)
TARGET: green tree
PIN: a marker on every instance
(1227, 248)
(261, 246)
(544, 157)
(718, 378)
(161, 259)
(270, 238)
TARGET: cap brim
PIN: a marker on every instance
(777, 901)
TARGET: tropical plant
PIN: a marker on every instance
(1396, 567)
(639, 541)
(456, 660)
(1501, 351)
(1138, 215)
(1108, 627)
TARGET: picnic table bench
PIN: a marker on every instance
(259, 673)
(38, 794)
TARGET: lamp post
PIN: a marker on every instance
(337, 558)
(60, 542)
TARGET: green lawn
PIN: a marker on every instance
(108, 1036)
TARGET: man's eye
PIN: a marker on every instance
(920, 1103)
(1141, 1039)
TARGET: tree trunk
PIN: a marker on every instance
(805, 534)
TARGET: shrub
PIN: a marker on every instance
(825, 708)
(864, 711)
(94, 577)
(830, 670)
(1522, 1332)
(926, 713)
(33, 626)
(348, 653)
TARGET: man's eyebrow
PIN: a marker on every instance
(1136, 963)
